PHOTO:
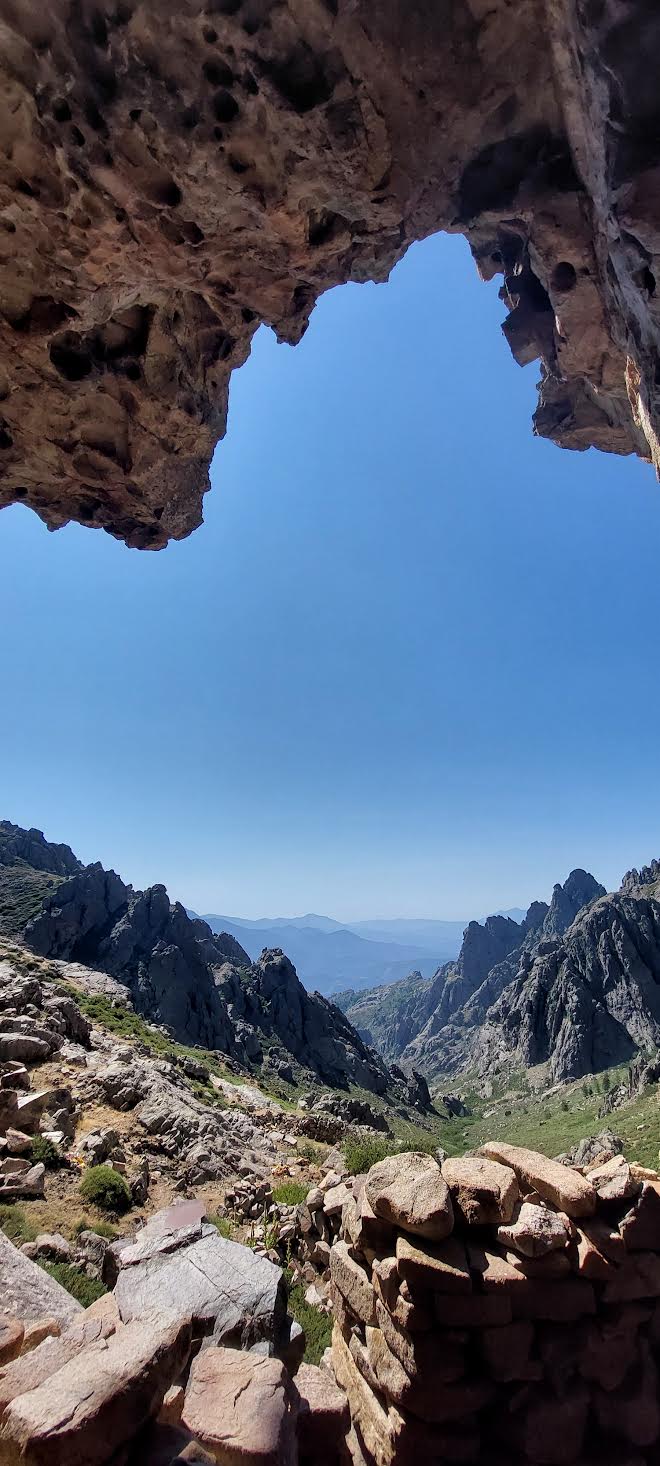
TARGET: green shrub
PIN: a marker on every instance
(46, 1152)
(361, 1155)
(290, 1193)
(317, 1325)
(15, 1225)
(312, 1150)
(223, 1226)
(106, 1188)
(102, 1229)
(85, 1290)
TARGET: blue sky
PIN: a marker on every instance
(407, 667)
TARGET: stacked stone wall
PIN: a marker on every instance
(502, 1308)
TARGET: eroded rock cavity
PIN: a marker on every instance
(174, 172)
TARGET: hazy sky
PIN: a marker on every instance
(408, 666)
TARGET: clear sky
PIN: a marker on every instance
(408, 666)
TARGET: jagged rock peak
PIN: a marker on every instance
(172, 177)
(34, 849)
(578, 890)
(649, 875)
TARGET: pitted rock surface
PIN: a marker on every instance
(173, 174)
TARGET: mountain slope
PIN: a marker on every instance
(199, 984)
(30, 868)
(574, 985)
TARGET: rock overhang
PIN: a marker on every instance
(173, 175)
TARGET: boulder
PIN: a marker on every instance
(24, 1047)
(242, 1407)
(614, 1180)
(30, 1293)
(25, 1184)
(50, 1354)
(482, 1191)
(323, 1416)
(536, 1231)
(97, 1401)
(11, 1337)
(566, 1189)
(226, 1288)
(17, 1141)
(408, 1191)
(53, 1246)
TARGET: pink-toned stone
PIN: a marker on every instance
(409, 1192)
(323, 1415)
(482, 1191)
(11, 1337)
(97, 1401)
(242, 1407)
(565, 1188)
(438, 1268)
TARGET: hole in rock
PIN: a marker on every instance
(189, 118)
(70, 361)
(225, 106)
(218, 74)
(300, 79)
(166, 192)
(44, 314)
(61, 110)
(236, 165)
(210, 36)
(6, 440)
(564, 277)
(93, 116)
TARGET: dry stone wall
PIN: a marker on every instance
(504, 1308)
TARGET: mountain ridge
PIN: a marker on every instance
(578, 990)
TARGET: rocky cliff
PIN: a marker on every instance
(579, 989)
(199, 984)
(172, 175)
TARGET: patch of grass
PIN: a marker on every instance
(361, 1155)
(22, 890)
(290, 1193)
(312, 1150)
(85, 1290)
(106, 1188)
(46, 1153)
(102, 1228)
(317, 1325)
(223, 1226)
(15, 1224)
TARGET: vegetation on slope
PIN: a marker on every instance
(22, 891)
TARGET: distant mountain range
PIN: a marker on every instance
(330, 956)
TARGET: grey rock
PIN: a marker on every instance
(229, 1291)
(24, 1047)
(30, 1293)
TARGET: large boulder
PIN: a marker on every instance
(99, 1399)
(30, 1293)
(242, 1407)
(565, 1188)
(408, 1191)
(227, 1289)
